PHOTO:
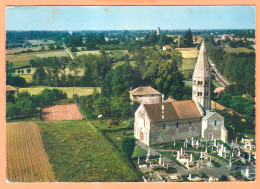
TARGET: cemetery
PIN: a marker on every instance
(190, 159)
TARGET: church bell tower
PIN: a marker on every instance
(201, 81)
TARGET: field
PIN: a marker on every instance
(61, 112)
(27, 77)
(21, 60)
(97, 52)
(188, 63)
(19, 49)
(27, 160)
(117, 54)
(80, 153)
(238, 50)
(188, 52)
(81, 91)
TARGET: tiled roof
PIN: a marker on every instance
(144, 90)
(176, 110)
(11, 88)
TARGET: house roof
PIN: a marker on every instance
(173, 111)
(11, 88)
(219, 89)
(144, 90)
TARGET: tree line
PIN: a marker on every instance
(25, 104)
(239, 68)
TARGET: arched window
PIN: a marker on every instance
(215, 122)
(177, 125)
(198, 94)
(163, 126)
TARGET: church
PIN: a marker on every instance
(169, 121)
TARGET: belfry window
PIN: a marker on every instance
(198, 94)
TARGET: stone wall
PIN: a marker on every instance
(160, 133)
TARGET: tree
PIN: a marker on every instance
(128, 146)
(169, 80)
(223, 178)
(188, 41)
(28, 70)
(25, 103)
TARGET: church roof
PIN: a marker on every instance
(144, 90)
(173, 111)
(202, 66)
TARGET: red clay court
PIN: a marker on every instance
(61, 112)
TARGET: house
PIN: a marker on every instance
(145, 95)
(13, 91)
(166, 47)
(170, 120)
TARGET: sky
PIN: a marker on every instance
(129, 17)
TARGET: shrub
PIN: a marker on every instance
(128, 146)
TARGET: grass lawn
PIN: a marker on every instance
(97, 52)
(188, 63)
(117, 53)
(21, 60)
(216, 84)
(238, 50)
(139, 152)
(81, 91)
(81, 153)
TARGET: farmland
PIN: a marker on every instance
(81, 91)
(188, 52)
(27, 160)
(188, 63)
(97, 52)
(238, 50)
(79, 152)
(22, 60)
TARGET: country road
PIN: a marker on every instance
(217, 75)
(68, 51)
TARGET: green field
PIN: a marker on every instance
(21, 60)
(188, 63)
(81, 91)
(117, 54)
(97, 52)
(80, 153)
(238, 50)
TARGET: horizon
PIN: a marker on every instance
(107, 18)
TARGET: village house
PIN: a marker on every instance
(166, 47)
(145, 95)
(178, 120)
(13, 91)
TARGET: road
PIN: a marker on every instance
(217, 75)
(68, 51)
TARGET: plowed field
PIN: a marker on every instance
(27, 160)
